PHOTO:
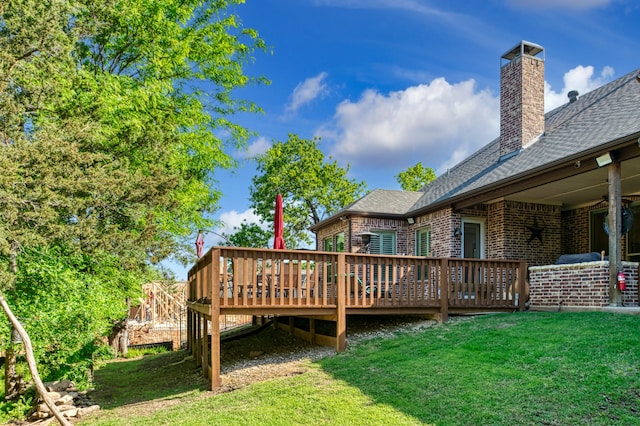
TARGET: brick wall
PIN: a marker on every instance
(359, 224)
(442, 224)
(518, 239)
(332, 231)
(508, 235)
(521, 102)
(579, 285)
(575, 231)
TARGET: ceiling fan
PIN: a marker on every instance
(626, 215)
(624, 199)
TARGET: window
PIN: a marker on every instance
(383, 243)
(423, 242)
(328, 244)
(340, 242)
(633, 237)
(423, 248)
(599, 240)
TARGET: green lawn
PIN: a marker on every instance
(508, 369)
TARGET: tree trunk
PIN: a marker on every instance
(31, 362)
(14, 385)
(119, 338)
(124, 342)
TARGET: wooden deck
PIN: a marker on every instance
(329, 286)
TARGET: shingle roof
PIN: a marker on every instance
(595, 119)
(384, 201)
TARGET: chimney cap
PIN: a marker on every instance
(522, 48)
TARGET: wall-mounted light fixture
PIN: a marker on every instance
(410, 221)
(604, 159)
(366, 236)
(344, 218)
(457, 232)
(366, 239)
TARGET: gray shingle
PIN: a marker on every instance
(596, 118)
(384, 201)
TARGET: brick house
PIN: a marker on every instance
(538, 191)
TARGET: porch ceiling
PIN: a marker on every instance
(582, 189)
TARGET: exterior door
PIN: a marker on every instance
(472, 240)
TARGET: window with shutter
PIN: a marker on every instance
(423, 242)
(423, 248)
(383, 243)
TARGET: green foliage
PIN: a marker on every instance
(16, 409)
(416, 177)
(107, 137)
(312, 188)
(67, 302)
(248, 235)
(114, 118)
(152, 350)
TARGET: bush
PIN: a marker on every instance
(67, 302)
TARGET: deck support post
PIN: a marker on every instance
(341, 305)
(444, 289)
(615, 234)
(215, 319)
(312, 330)
(189, 328)
(205, 348)
(198, 339)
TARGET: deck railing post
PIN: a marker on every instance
(444, 289)
(522, 285)
(215, 319)
(341, 310)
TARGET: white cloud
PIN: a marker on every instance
(229, 220)
(559, 4)
(307, 91)
(580, 78)
(257, 147)
(437, 123)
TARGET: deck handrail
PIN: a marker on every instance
(322, 284)
(238, 277)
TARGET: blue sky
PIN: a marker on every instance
(389, 83)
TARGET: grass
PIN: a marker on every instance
(524, 368)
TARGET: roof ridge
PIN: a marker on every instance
(617, 83)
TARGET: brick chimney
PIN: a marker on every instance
(521, 96)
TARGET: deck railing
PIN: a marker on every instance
(264, 278)
(328, 285)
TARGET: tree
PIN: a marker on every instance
(108, 142)
(248, 235)
(311, 188)
(415, 178)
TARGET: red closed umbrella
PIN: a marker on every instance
(278, 225)
(199, 244)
